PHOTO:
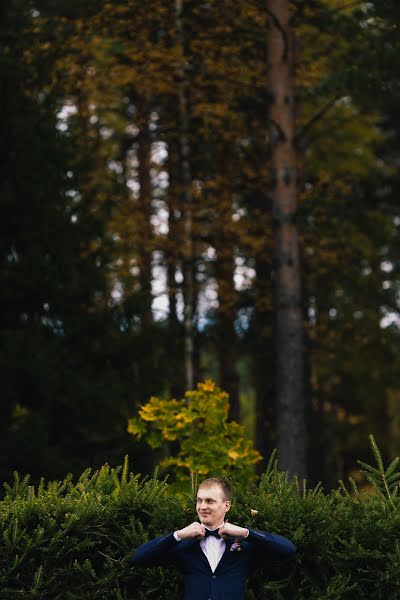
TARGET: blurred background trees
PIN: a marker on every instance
(137, 187)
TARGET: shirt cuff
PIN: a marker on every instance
(176, 536)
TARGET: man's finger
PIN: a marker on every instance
(201, 531)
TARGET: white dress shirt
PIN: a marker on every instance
(212, 547)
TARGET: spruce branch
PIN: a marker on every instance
(392, 467)
(355, 491)
(377, 453)
(344, 490)
(194, 476)
(125, 471)
(385, 481)
(272, 465)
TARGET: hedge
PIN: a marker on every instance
(74, 540)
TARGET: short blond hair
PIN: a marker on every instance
(222, 483)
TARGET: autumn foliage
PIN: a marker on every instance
(99, 165)
(198, 423)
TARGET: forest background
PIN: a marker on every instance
(138, 228)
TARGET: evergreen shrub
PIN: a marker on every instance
(70, 541)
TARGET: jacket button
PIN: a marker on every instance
(214, 577)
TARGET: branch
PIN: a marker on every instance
(349, 5)
(281, 136)
(318, 115)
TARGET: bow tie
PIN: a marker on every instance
(213, 533)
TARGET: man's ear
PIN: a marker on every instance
(227, 505)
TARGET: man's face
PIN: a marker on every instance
(211, 506)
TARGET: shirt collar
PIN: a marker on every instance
(209, 528)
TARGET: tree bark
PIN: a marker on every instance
(260, 225)
(189, 296)
(264, 360)
(173, 240)
(226, 336)
(173, 261)
(289, 321)
(225, 271)
(145, 231)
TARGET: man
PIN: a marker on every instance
(213, 555)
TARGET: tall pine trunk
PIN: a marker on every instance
(171, 254)
(188, 275)
(264, 360)
(144, 218)
(225, 271)
(289, 318)
(172, 258)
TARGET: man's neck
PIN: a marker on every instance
(213, 528)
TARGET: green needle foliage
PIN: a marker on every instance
(67, 540)
(384, 481)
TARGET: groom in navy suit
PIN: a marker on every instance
(213, 555)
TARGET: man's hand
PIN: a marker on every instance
(194, 530)
(229, 530)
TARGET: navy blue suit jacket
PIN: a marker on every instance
(228, 581)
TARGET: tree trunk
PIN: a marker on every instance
(173, 241)
(187, 199)
(260, 225)
(227, 357)
(225, 271)
(143, 217)
(172, 258)
(264, 360)
(289, 321)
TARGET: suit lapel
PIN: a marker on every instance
(226, 555)
(195, 549)
(230, 556)
(204, 558)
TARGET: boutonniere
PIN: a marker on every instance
(237, 545)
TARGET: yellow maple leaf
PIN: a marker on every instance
(207, 386)
(233, 454)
